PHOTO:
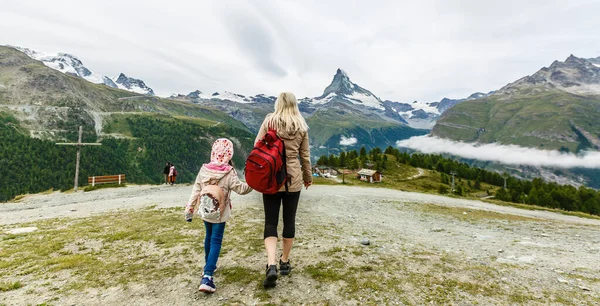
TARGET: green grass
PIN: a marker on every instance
(102, 186)
(113, 249)
(469, 215)
(8, 286)
(541, 208)
(420, 277)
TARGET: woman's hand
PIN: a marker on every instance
(307, 184)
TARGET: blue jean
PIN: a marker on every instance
(212, 245)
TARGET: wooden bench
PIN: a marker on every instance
(107, 179)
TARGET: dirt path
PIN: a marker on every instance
(421, 172)
(82, 204)
(426, 249)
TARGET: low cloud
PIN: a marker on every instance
(348, 141)
(505, 154)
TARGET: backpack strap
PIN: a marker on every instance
(284, 160)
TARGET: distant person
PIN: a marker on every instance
(293, 130)
(171, 174)
(174, 177)
(166, 171)
(213, 186)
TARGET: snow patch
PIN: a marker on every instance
(64, 63)
(425, 107)
(325, 100)
(366, 100)
(226, 96)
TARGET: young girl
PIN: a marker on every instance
(219, 170)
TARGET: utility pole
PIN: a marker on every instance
(504, 176)
(453, 173)
(344, 168)
(79, 144)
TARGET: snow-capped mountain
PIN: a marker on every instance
(342, 89)
(200, 97)
(424, 114)
(595, 61)
(65, 63)
(69, 64)
(575, 75)
(134, 85)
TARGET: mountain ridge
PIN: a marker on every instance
(554, 108)
(70, 64)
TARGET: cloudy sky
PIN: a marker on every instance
(400, 50)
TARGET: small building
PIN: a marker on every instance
(371, 176)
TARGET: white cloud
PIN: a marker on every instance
(348, 141)
(505, 154)
(400, 50)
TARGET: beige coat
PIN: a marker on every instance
(297, 156)
(228, 181)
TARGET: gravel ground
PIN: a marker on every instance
(538, 252)
(82, 204)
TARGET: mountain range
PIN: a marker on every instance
(344, 110)
(417, 114)
(69, 64)
(345, 114)
(561, 99)
(556, 108)
(49, 102)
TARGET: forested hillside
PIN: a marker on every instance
(32, 165)
(536, 191)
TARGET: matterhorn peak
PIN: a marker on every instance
(342, 89)
(340, 85)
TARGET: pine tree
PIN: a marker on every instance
(477, 185)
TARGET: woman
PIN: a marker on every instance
(293, 130)
(166, 171)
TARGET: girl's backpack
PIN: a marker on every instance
(211, 203)
(174, 172)
(265, 167)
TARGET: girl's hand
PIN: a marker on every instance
(307, 184)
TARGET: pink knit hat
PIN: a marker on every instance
(222, 151)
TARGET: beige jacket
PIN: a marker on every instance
(228, 181)
(297, 156)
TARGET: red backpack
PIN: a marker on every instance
(265, 167)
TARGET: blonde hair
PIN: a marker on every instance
(287, 116)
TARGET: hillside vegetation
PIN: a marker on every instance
(51, 104)
(551, 120)
(31, 165)
(469, 181)
(40, 106)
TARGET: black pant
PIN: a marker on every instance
(272, 203)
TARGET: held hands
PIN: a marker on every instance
(307, 184)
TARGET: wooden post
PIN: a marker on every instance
(79, 144)
(119, 179)
(78, 159)
(93, 181)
